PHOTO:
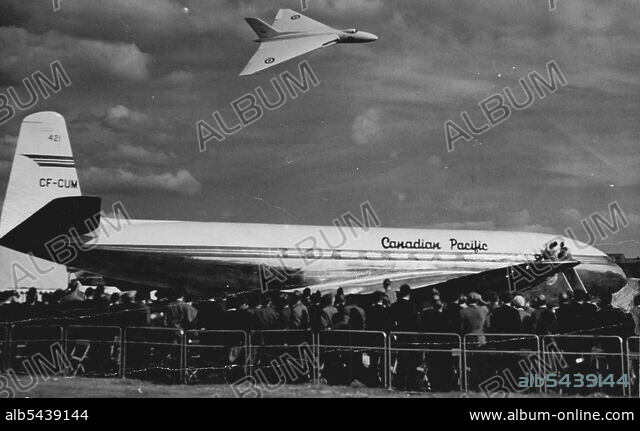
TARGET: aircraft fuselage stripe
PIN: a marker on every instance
(284, 253)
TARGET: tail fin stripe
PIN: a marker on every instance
(52, 161)
(38, 156)
(55, 165)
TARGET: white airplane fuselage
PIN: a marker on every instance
(228, 257)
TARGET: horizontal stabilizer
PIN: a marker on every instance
(71, 217)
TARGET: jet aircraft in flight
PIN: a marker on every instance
(293, 34)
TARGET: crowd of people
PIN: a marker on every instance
(385, 310)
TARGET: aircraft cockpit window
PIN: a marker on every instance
(351, 31)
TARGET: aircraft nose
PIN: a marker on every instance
(371, 37)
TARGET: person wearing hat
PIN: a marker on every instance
(474, 317)
(473, 323)
(520, 304)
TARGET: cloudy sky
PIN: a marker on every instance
(144, 72)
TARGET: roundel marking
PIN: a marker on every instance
(295, 17)
(270, 60)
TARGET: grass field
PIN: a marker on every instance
(115, 388)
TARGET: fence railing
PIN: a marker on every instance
(4, 347)
(216, 356)
(284, 357)
(499, 359)
(29, 342)
(154, 354)
(439, 354)
(632, 346)
(588, 356)
(345, 356)
(94, 351)
(399, 360)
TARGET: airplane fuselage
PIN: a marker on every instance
(341, 36)
(221, 257)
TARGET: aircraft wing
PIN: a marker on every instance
(518, 278)
(289, 20)
(273, 52)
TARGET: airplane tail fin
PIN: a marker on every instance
(262, 29)
(43, 169)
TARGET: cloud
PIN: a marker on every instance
(120, 117)
(521, 221)
(351, 9)
(180, 77)
(366, 127)
(512, 221)
(24, 51)
(182, 182)
(141, 156)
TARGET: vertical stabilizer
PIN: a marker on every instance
(43, 169)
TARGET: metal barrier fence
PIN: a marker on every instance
(95, 351)
(633, 365)
(588, 356)
(498, 362)
(4, 347)
(420, 361)
(284, 357)
(154, 353)
(216, 356)
(439, 354)
(33, 342)
(345, 356)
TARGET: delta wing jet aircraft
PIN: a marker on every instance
(292, 35)
(45, 214)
